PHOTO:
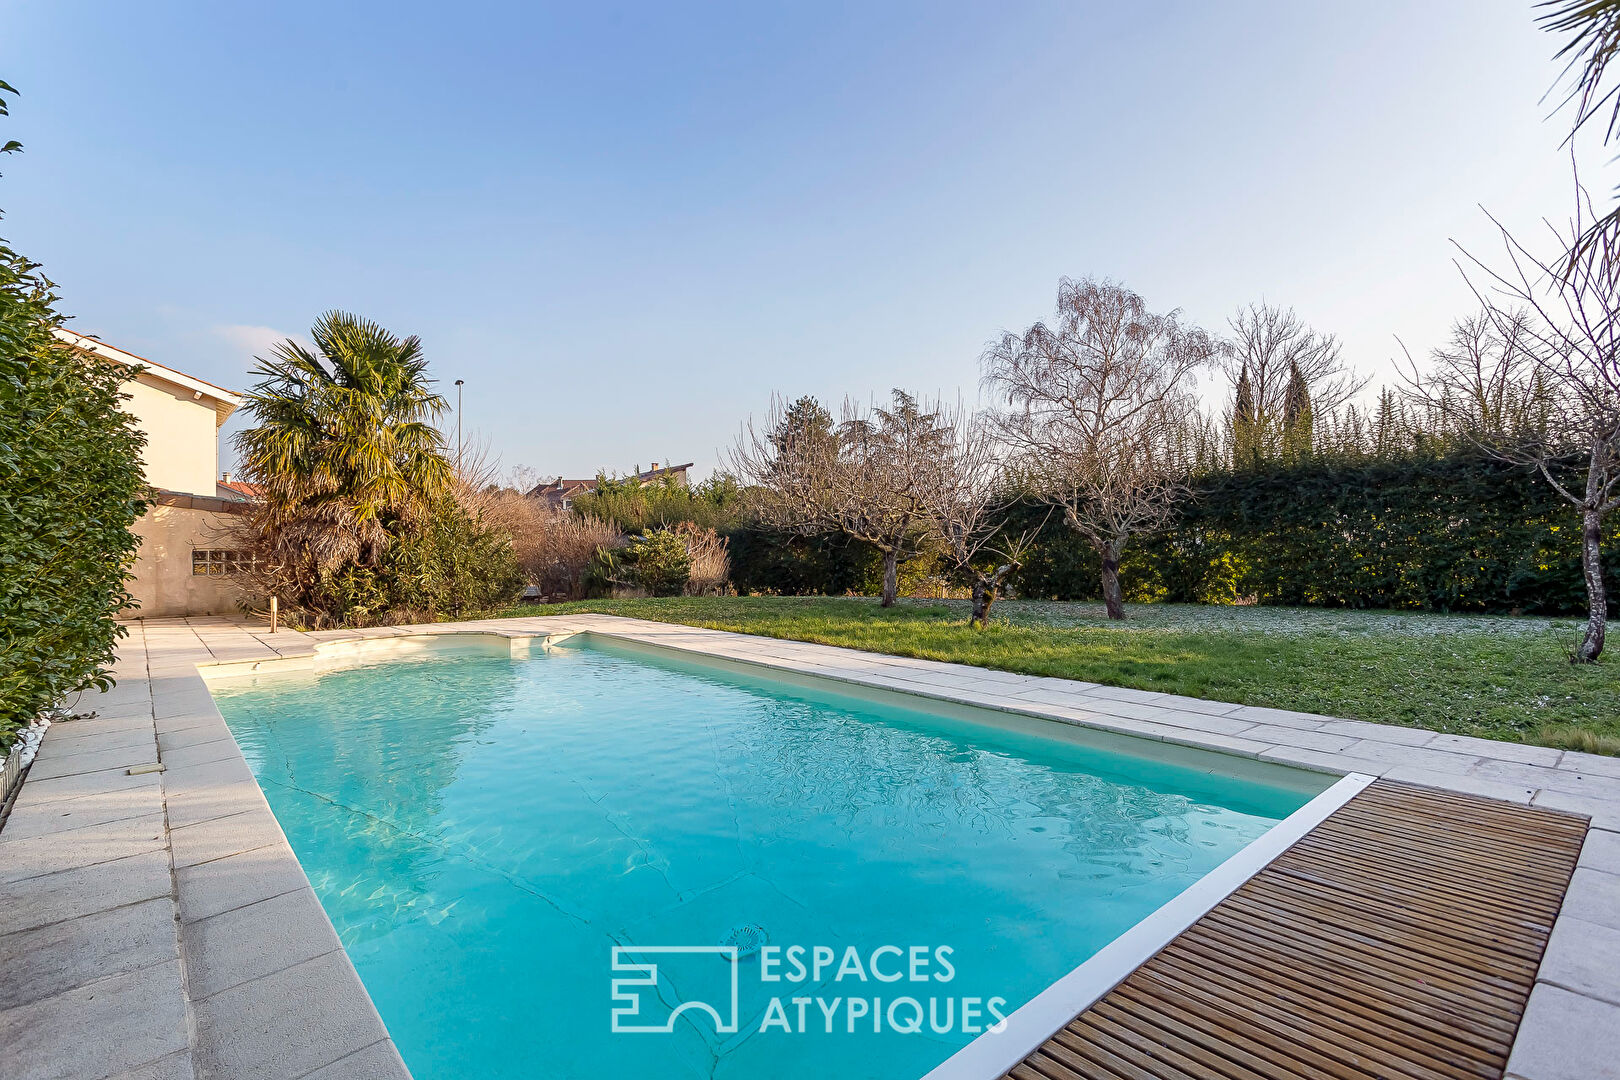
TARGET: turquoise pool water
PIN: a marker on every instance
(484, 831)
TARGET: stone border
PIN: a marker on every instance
(160, 926)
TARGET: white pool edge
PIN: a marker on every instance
(995, 1052)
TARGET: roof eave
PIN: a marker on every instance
(225, 402)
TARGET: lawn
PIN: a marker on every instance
(1494, 676)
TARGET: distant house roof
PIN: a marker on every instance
(225, 401)
(237, 490)
(560, 492)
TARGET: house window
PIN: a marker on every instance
(212, 562)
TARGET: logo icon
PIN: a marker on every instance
(641, 978)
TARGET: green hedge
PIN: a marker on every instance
(832, 565)
(70, 488)
(1458, 532)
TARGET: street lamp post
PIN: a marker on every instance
(459, 383)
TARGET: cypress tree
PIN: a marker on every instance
(1298, 422)
(1248, 441)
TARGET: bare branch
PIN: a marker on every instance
(1554, 346)
(1097, 412)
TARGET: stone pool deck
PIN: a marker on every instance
(156, 924)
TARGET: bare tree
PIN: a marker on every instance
(1098, 412)
(868, 477)
(1283, 372)
(1484, 383)
(1564, 312)
(966, 511)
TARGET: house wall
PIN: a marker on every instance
(164, 583)
(182, 447)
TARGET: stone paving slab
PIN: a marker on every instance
(73, 849)
(287, 1024)
(173, 1067)
(238, 880)
(1602, 851)
(105, 1027)
(1566, 1036)
(379, 1061)
(1582, 957)
(74, 894)
(56, 789)
(58, 762)
(258, 939)
(220, 837)
(30, 818)
(242, 975)
(47, 960)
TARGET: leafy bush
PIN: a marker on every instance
(70, 488)
(455, 563)
(1437, 529)
(763, 561)
(451, 562)
(661, 563)
(609, 568)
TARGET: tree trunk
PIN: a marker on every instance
(891, 577)
(986, 589)
(1597, 601)
(984, 595)
(1113, 595)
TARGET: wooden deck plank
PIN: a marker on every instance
(1400, 938)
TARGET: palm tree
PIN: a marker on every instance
(344, 450)
(1595, 26)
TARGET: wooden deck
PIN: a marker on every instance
(1399, 939)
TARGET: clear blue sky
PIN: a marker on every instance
(626, 227)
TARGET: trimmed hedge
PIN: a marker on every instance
(833, 565)
(1458, 532)
(70, 488)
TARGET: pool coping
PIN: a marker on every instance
(252, 948)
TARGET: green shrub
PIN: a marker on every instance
(660, 562)
(608, 567)
(636, 507)
(454, 563)
(447, 564)
(70, 488)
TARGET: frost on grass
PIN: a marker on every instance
(1195, 618)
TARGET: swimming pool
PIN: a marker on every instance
(523, 854)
